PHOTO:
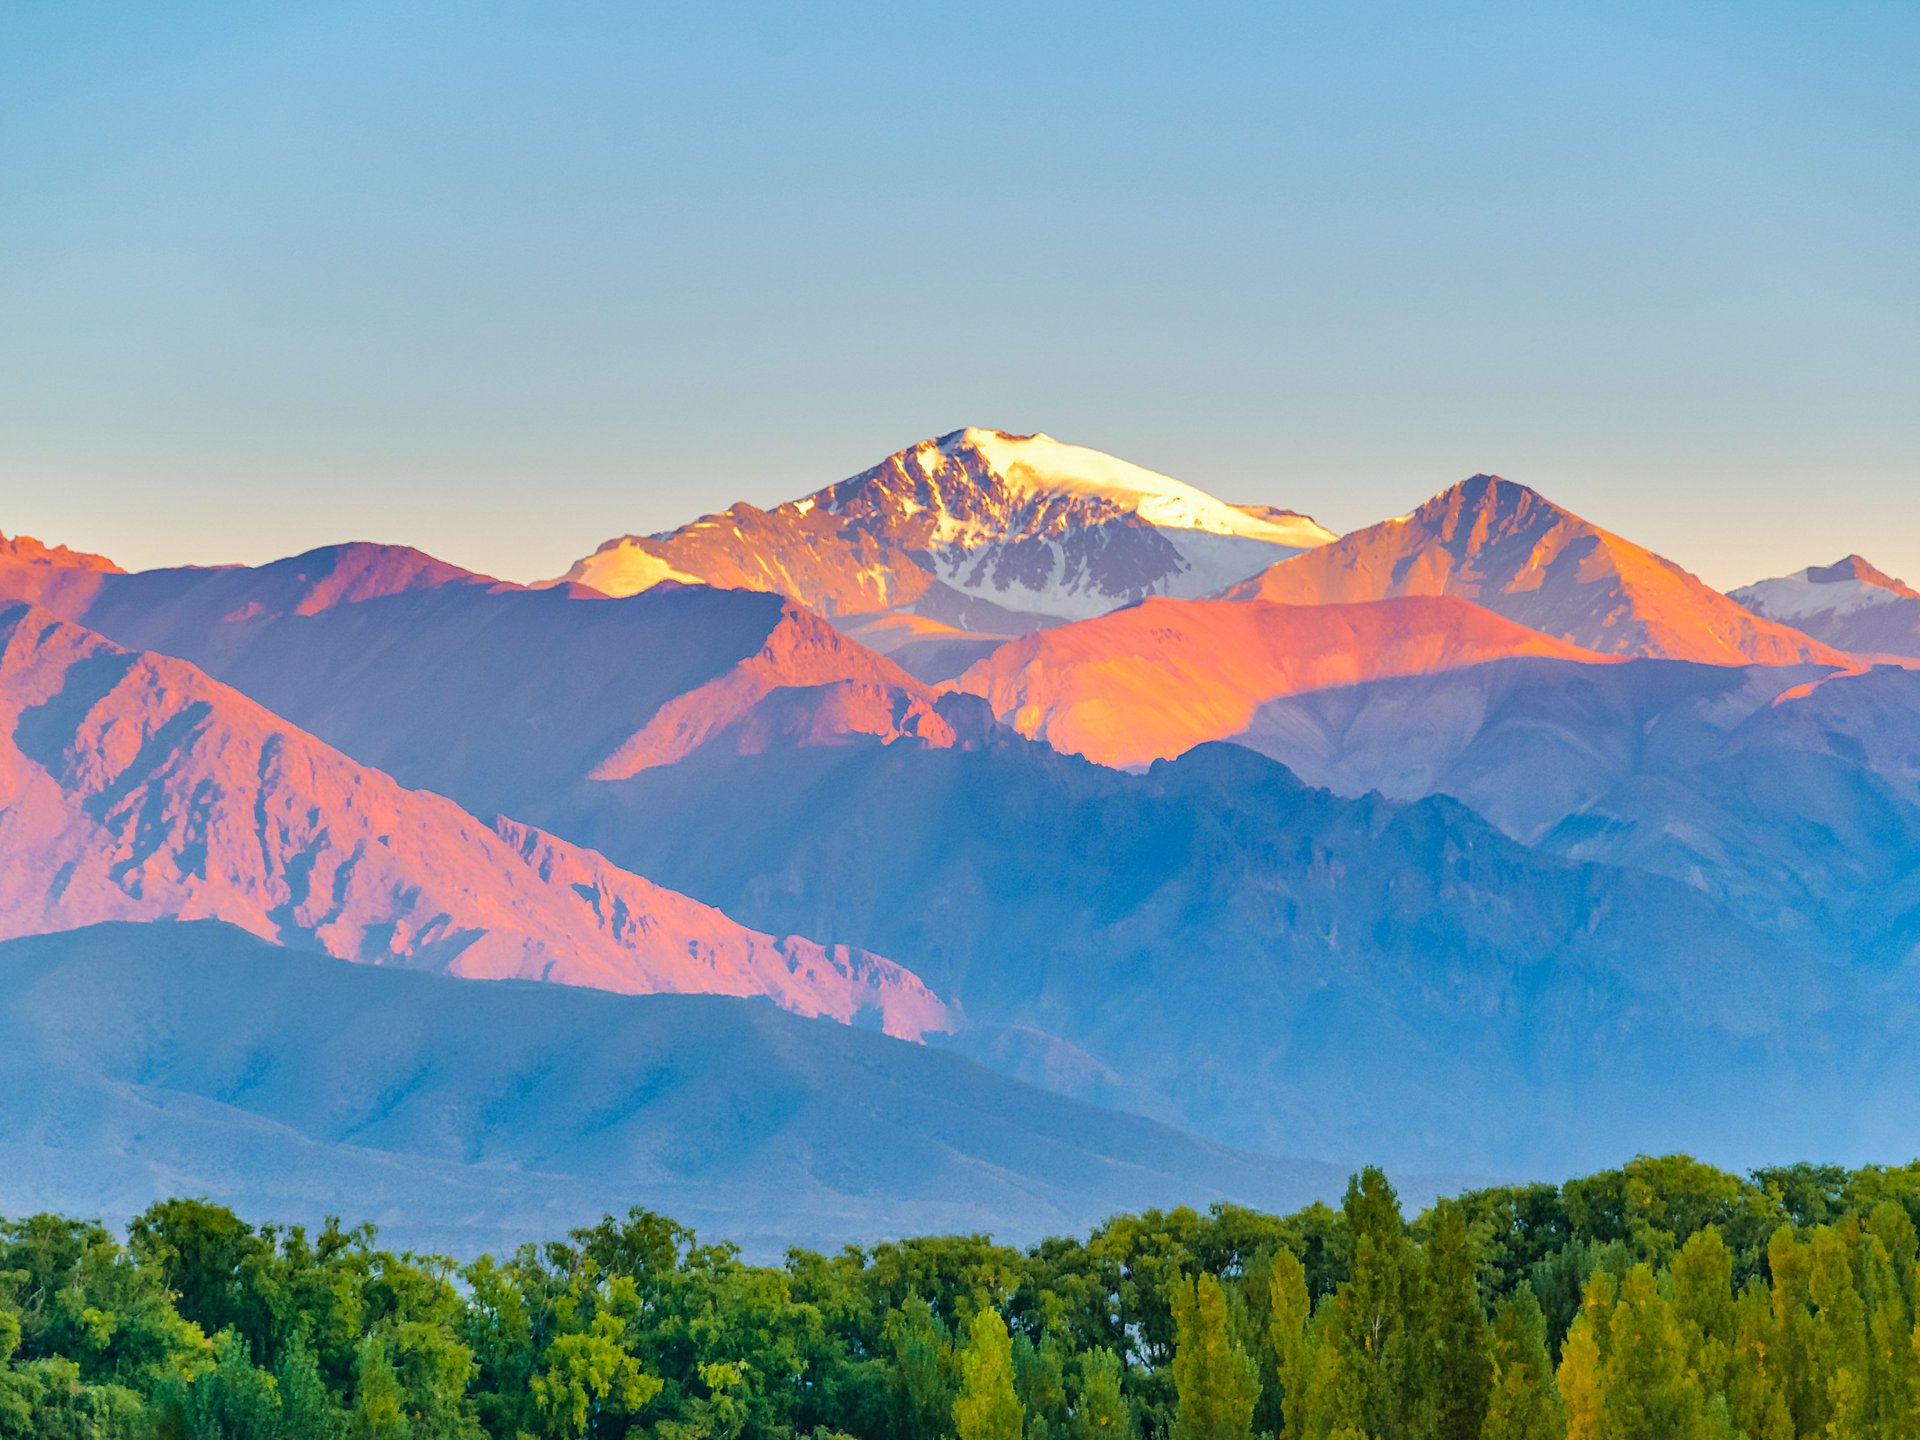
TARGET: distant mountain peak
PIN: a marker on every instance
(358, 570)
(1506, 546)
(1038, 464)
(1849, 603)
(1855, 567)
(25, 550)
(1494, 493)
(1842, 588)
(1036, 528)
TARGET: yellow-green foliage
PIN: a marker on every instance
(1663, 1299)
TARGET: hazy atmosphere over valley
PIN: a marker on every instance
(1003, 723)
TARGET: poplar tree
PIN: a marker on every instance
(1650, 1393)
(1840, 1354)
(1039, 1379)
(1890, 1332)
(1524, 1403)
(1756, 1394)
(987, 1407)
(1790, 1263)
(1581, 1377)
(1216, 1383)
(1288, 1340)
(1580, 1382)
(1364, 1383)
(377, 1412)
(922, 1397)
(1455, 1349)
(307, 1412)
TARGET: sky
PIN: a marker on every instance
(504, 280)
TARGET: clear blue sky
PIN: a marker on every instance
(501, 280)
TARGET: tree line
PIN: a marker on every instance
(1665, 1300)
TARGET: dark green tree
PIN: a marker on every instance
(307, 1408)
(1524, 1403)
(922, 1372)
(1453, 1351)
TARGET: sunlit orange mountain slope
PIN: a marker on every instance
(1154, 680)
(1512, 550)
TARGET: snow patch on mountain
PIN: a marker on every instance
(1849, 604)
(1845, 588)
(1040, 465)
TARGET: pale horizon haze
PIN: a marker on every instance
(504, 280)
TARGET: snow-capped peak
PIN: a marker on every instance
(1041, 465)
(1843, 588)
(986, 527)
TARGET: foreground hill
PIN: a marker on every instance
(978, 528)
(133, 787)
(148, 1060)
(1510, 549)
(1848, 604)
(1153, 680)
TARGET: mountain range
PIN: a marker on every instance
(133, 787)
(1301, 844)
(976, 533)
(493, 693)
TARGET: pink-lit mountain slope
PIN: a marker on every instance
(1152, 681)
(1508, 548)
(30, 570)
(133, 787)
(1849, 604)
(222, 605)
(493, 694)
(979, 528)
